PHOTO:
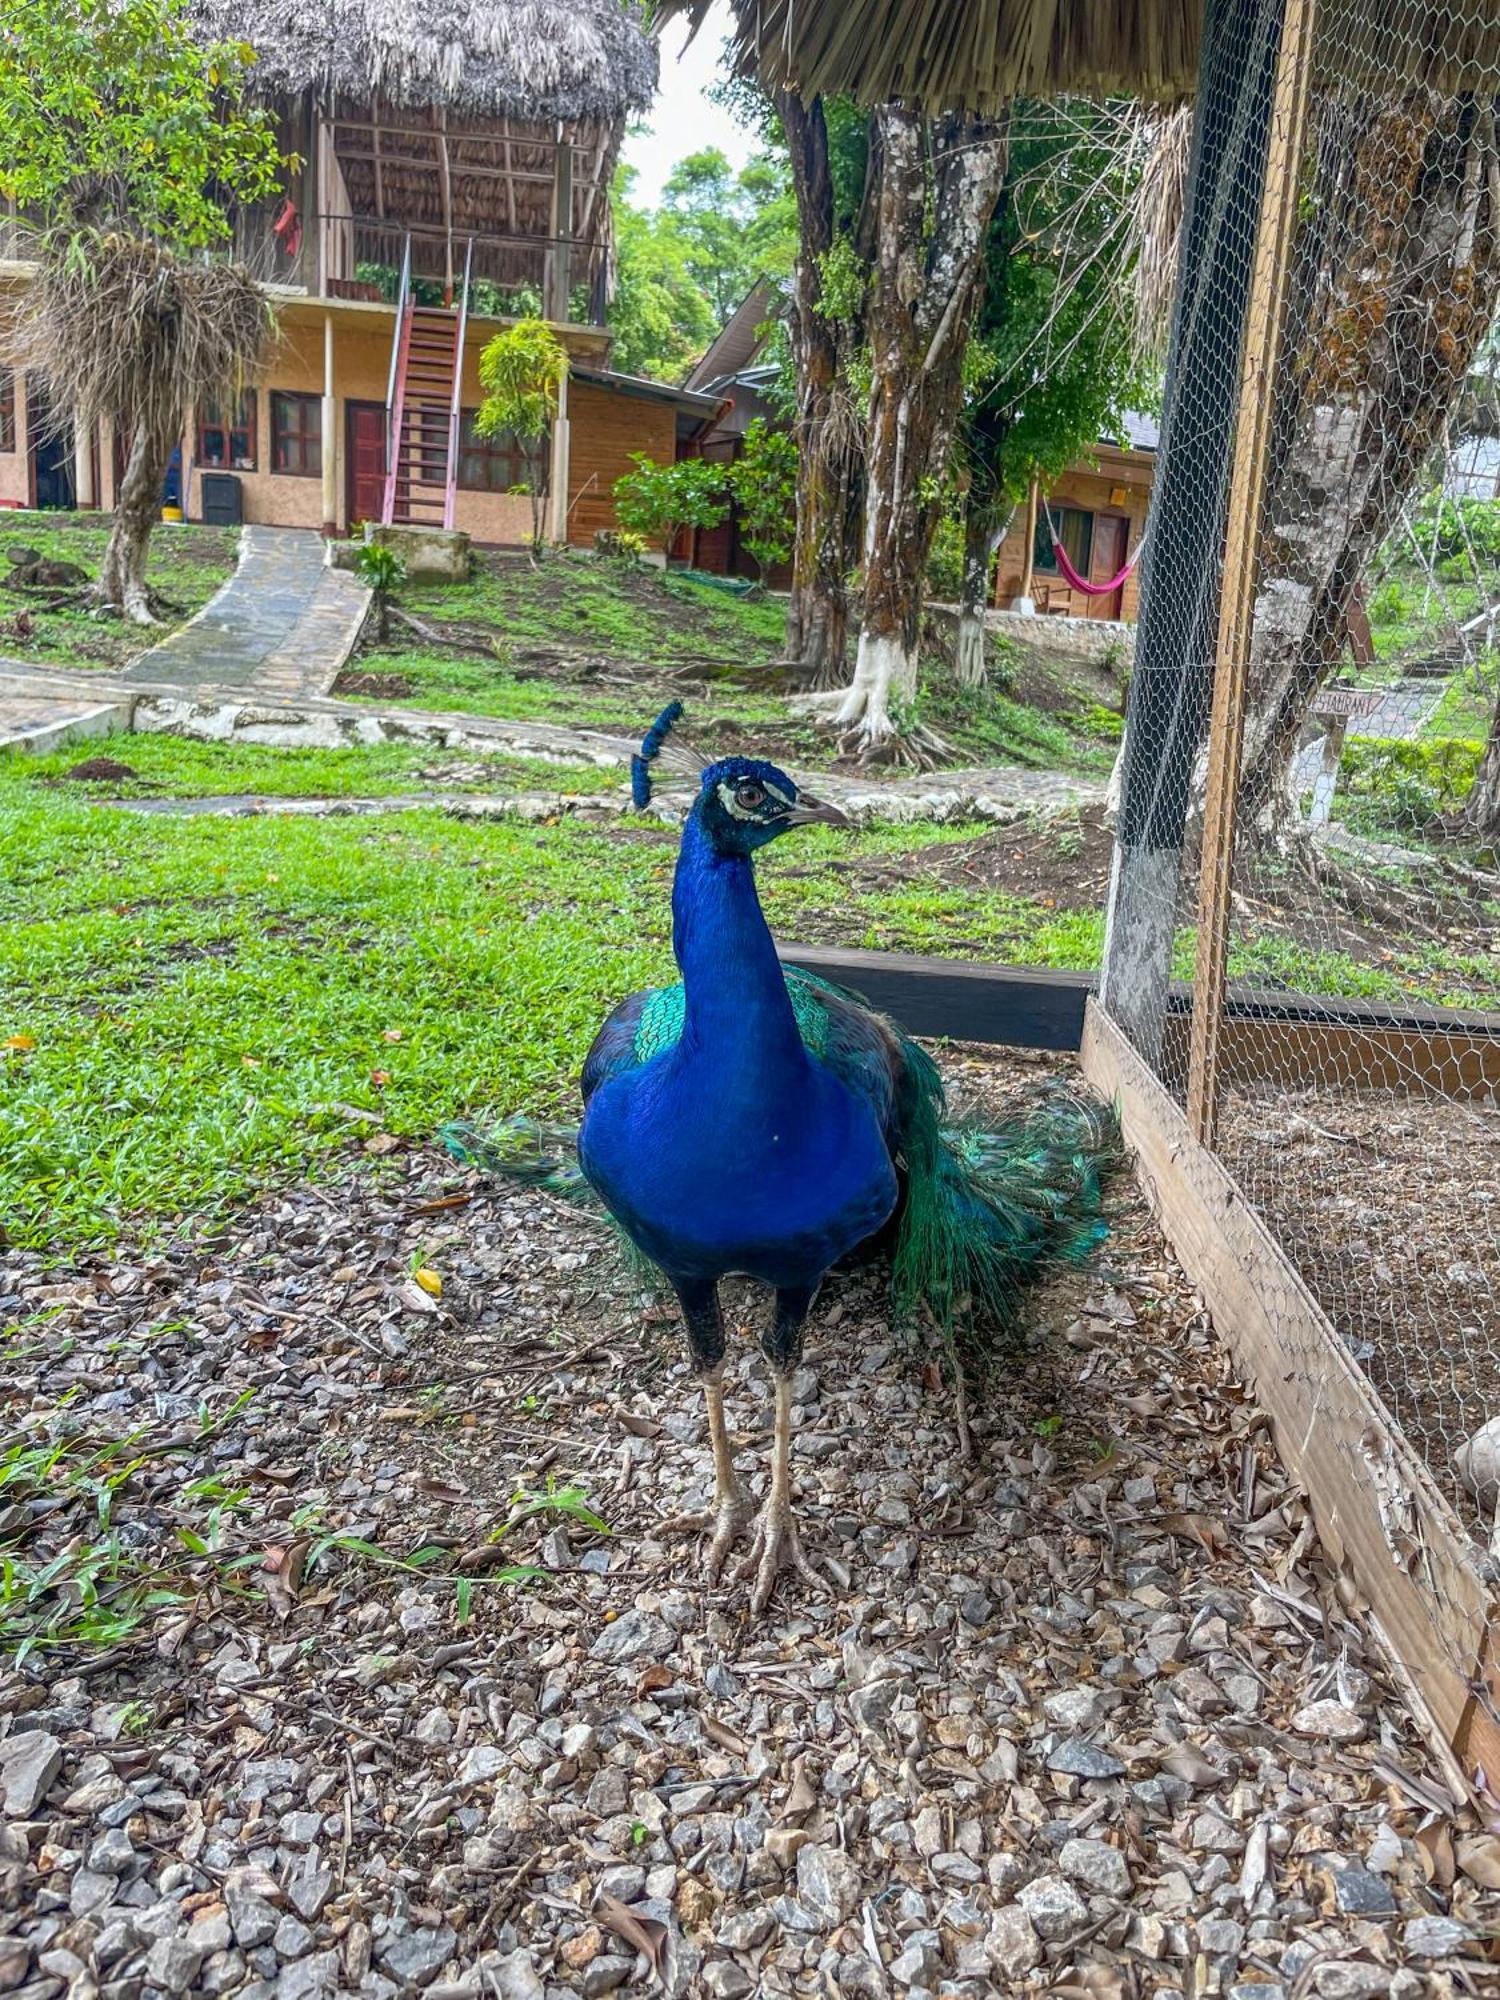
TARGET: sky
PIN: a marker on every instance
(683, 120)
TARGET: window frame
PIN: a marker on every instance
(248, 407)
(491, 451)
(1064, 515)
(8, 438)
(304, 436)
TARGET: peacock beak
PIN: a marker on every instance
(809, 811)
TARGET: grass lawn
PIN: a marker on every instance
(174, 767)
(601, 645)
(196, 1006)
(187, 565)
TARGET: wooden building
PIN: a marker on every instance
(454, 173)
(1099, 508)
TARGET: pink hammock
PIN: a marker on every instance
(1082, 583)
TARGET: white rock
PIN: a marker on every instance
(1330, 1721)
(1014, 1946)
(1097, 1865)
(29, 1764)
(1054, 1907)
(1477, 1463)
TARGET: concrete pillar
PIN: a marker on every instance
(84, 496)
(561, 467)
(330, 442)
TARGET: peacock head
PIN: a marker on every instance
(745, 803)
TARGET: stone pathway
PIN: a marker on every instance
(283, 624)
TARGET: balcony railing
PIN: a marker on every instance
(512, 277)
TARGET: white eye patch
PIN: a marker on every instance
(730, 802)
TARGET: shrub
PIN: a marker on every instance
(763, 480)
(1402, 784)
(658, 501)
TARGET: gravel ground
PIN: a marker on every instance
(1082, 1716)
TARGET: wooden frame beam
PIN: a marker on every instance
(1247, 485)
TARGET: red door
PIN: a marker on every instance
(366, 461)
(1111, 548)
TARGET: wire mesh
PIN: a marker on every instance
(1356, 1099)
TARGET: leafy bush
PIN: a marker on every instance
(522, 372)
(381, 570)
(1450, 518)
(659, 501)
(763, 480)
(1391, 604)
(1401, 784)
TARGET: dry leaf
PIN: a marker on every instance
(643, 1934)
(1184, 1762)
(1479, 1858)
(1209, 1533)
(281, 1573)
(653, 1680)
(717, 1732)
(641, 1427)
(18, 1045)
(1436, 1845)
(801, 1799)
(382, 1142)
(392, 1034)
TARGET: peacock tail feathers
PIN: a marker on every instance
(988, 1208)
(521, 1150)
(650, 750)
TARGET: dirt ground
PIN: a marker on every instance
(1083, 1715)
(1390, 1208)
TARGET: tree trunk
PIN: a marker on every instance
(1395, 283)
(122, 575)
(937, 192)
(825, 429)
(985, 528)
(1480, 813)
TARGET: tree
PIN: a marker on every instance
(936, 185)
(521, 372)
(825, 328)
(659, 501)
(1394, 286)
(763, 480)
(127, 141)
(659, 315)
(1052, 365)
(733, 227)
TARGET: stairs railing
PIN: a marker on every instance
(395, 393)
(455, 410)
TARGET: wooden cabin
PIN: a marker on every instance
(1099, 509)
(455, 162)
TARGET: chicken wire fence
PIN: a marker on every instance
(1329, 1014)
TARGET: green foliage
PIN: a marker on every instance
(521, 372)
(1052, 366)
(763, 480)
(115, 113)
(843, 278)
(734, 227)
(659, 501)
(1457, 526)
(945, 560)
(1399, 784)
(380, 569)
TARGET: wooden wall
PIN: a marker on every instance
(607, 425)
(1093, 488)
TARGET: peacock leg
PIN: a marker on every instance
(776, 1545)
(731, 1508)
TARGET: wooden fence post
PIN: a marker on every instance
(1247, 486)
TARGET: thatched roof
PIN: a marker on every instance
(531, 60)
(981, 54)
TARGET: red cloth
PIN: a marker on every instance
(1081, 582)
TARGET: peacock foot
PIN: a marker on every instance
(774, 1547)
(724, 1524)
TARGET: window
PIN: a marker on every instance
(1075, 530)
(7, 409)
(230, 444)
(296, 433)
(493, 465)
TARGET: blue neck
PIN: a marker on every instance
(737, 1003)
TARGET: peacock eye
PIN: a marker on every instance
(751, 797)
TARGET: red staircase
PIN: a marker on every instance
(423, 407)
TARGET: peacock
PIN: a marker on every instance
(753, 1119)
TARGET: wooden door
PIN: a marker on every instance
(1111, 549)
(365, 458)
